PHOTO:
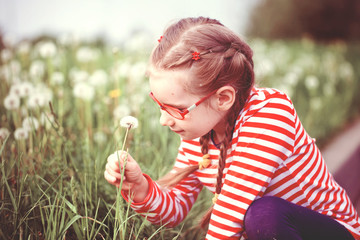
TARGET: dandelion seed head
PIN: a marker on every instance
(78, 75)
(86, 54)
(24, 47)
(21, 133)
(4, 133)
(311, 82)
(57, 78)
(84, 91)
(36, 100)
(12, 102)
(30, 123)
(6, 55)
(46, 119)
(100, 137)
(98, 78)
(37, 69)
(47, 49)
(26, 88)
(129, 122)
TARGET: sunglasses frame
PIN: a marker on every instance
(181, 113)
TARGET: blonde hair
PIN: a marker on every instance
(225, 59)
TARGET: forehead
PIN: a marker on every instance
(168, 85)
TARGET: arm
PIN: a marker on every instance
(160, 206)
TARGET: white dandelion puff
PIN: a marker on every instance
(84, 91)
(26, 88)
(78, 75)
(100, 137)
(129, 122)
(57, 78)
(37, 69)
(6, 55)
(311, 82)
(4, 133)
(47, 49)
(24, 47)
(46, 120)
(98, 78)
(86, 54)
(12, 102)
(30, 123)
(21, 133)
(36, 100)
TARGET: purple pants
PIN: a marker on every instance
(275, 218)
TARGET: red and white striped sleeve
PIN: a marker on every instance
(169, 206)
(265, 138)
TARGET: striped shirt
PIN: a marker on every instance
(270, 155)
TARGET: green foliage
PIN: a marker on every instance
(63, 122)
(321, 19)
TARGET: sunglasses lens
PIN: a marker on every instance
(173, 112)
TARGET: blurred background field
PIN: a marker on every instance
(62, 97)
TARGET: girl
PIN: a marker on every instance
(245, 144)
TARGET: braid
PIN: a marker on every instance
(204, 142)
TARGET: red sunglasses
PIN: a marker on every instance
(177, 113)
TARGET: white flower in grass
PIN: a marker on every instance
(4, 133)
(26, 88)
(6, 55)
(120, 111)
(15, 89)
(30, 123)
(12, 102)
(78, 75)
(46, 120)
(24, 47)
(311, 82)
(37, 69)
(36, 100)
(84, 91)
(129, 122)
(98, 78)
(21, 133)
(57, 78)
(100, 137)
(47, 49)
(86, 54)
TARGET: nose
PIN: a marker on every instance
(166, 119)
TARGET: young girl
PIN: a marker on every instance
(245, 144)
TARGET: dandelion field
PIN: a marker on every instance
(60, 107)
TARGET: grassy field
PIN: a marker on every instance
(60, 107)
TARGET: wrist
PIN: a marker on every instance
(140, 190)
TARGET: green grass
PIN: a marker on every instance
(52, 184)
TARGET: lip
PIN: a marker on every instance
(177, 131)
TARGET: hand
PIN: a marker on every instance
(133, 176)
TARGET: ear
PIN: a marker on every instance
(225, 97)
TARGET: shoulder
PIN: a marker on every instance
(267, 103)
(266, 98)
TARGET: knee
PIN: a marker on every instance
(264, 216)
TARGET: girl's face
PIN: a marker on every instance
(168, 88)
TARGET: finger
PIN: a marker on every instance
(111, 179)
(113, 172)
